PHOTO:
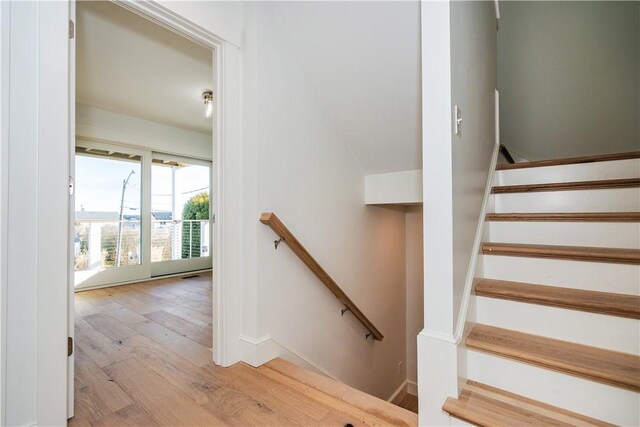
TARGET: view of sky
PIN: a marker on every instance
(99, 181)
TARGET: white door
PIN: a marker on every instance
(72, 143)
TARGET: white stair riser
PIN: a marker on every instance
(605, 200)
(619, 169)
(597, 330)
(601, 234)
(600, 401)
(594, 276)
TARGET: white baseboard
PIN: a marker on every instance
(258, 351)
(399, 390)
(409, 387)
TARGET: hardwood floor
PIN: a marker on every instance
(407, 401)
(143, 358)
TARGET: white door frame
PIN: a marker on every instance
(226, 192)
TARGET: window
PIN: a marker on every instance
(179, 210)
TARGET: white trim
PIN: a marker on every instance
(71, 332)
(164, 17)
(259, 351)
(53, 120)
(255, 341)
(450, 338)
(471, 272)
(497, 5)
(408, 386)
(400, 389)
(4, 151)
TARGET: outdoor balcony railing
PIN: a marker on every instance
(96, 242)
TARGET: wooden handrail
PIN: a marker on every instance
(270, 219)
(507, 155)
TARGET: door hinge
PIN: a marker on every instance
(69, 346)
(71, 186)
(72, 29)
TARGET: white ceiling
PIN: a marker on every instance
(131, 66)
(363, 60)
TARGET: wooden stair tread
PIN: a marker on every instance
(604, 366)
(390, 413)
(576, 253)
(567, 217)
(567, 186)
(592, 301)
(570, 161)
(484, 405)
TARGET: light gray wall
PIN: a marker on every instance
(473, 85)
(569, 77)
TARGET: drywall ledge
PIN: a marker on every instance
(393, 188)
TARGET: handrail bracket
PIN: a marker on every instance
(277, 242)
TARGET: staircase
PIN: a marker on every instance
(553, 335)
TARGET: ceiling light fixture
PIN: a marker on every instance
(207, 98)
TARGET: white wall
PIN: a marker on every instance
(107, 126)
(308, 177)
(415, 286)
(569, 77)
(473, 84)
(459, 68)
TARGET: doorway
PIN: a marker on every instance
(143, 168)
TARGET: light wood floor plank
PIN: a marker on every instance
(100, 349)
(203, 336)
(130, 416)
(195, 382)
(197, 354)
(96, 395)
(110, 327)
(151, 392)
(238, 409)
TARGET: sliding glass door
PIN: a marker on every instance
(108, 242)
(180, 215)
(139, 214)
